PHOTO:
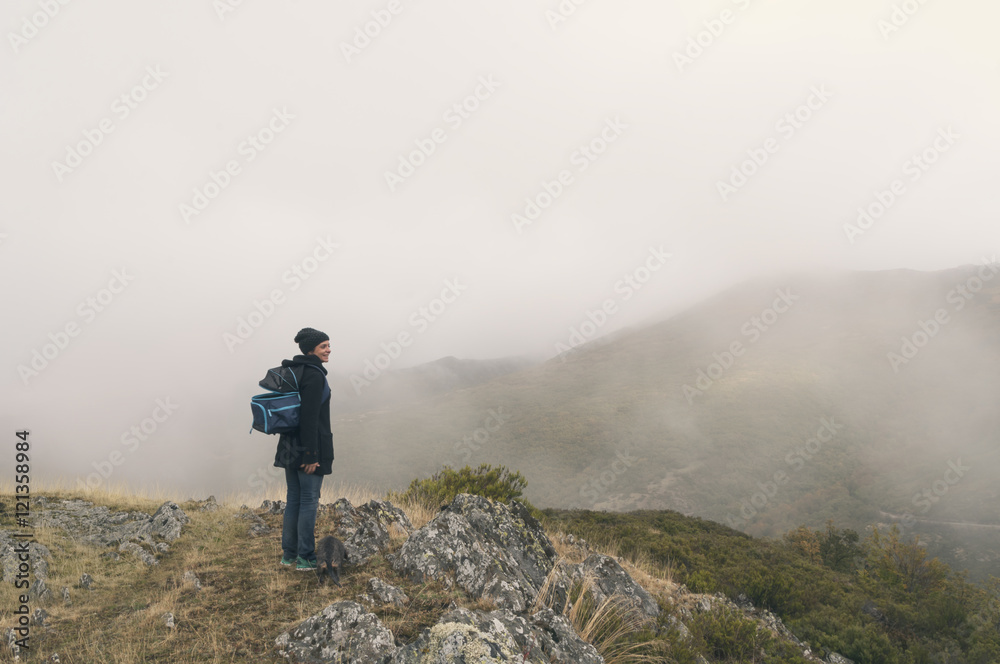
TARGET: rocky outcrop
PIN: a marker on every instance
(380, 592)
(367, 529)
(9, 561)
(462, 636)
(688, 604)
(258, 527)
(342, 632)
(602, 578)
(490, 550)
(273, 506)
(135, 532)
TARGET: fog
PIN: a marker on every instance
(185, 187)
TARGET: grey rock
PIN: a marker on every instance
(191, 577)
(682, 629)
(384, 593)
(607, 578)
(40, 618)
(462, 636)
(490, 550)
(11, 548)
(258, 527)
(208, 505)
(86, 581)
(273, 506)
(835, 658)
(54, 658)
(366, 530)
(65, 595)
(139, 552)
(11, 637)
(99, 526)
(342, 632)
(168, 520)
(168, 618)
(39, 592)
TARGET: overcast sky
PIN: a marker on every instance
(185, 165)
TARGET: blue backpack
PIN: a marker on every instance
(277, 411)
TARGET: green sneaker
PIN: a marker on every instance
(287, 562)
(305, 565)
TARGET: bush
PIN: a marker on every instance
(494, 483)
(726, 636)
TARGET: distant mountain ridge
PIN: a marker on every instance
(715, 411)
(404, 386)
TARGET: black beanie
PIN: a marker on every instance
(308, 339)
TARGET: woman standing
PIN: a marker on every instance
(306, 455)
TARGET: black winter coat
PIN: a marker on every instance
(314, 441)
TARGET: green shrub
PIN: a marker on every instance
(726, 636)
(702, 582)
(498, 484)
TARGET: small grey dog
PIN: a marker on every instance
(330, 558)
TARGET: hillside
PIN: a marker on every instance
(611, 425)
(401, 387)
(199, 581)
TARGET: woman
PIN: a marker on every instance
(307, 455)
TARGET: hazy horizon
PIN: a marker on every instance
(188, 186)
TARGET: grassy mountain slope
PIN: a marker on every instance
(847, 599)
(609, 426)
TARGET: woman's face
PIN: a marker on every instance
(322, 351)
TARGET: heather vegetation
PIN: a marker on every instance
(879, 599)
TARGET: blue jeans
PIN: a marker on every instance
(298, 534)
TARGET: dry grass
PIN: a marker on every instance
(247, 598)
(610, 625)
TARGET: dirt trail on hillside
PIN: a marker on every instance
(988, 526)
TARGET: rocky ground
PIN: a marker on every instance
(497, 555)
